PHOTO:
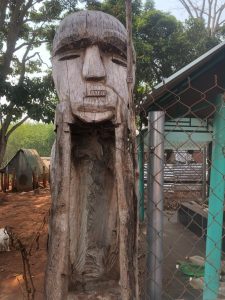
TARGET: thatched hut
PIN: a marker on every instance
(25, 169)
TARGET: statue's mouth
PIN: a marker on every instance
(91, 102)
(97, 104)
(96, 93)
(96, 100)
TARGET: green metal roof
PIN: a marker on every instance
(205, 75)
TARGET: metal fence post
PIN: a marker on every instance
(155, 168)
(216, 202)
(141, 176)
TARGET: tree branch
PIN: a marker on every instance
(214, 16)
(7, 121)
(27, 6)
(31, 56)
(219, 12)
(14, 27)
(25, 59)
(26, 44)
(3, 6)
(1, 120)
(220, 23)
(202, 11)
(21, 46)
(16, 126)
(187, 8)
(44, 63)
(189, 3)
(209, 16)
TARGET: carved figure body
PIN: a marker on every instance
(93, 199)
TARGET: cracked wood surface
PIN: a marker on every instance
(93, 220)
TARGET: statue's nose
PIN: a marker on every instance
(93, 68)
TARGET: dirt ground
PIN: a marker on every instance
(25, 213)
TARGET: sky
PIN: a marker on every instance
(171, 6)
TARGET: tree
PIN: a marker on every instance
(159, 46)
(24, 26)
(198, 39)
(37, 136)
(156, 37)
(210, 11)
(162, 43)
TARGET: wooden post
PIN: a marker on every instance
(126, 215)
(44, 178)
(1, 175)
(7, 182)
(132, 127)
(35, 179)
(4, 182)
(94, 205)
(57, 272)
(13, 180)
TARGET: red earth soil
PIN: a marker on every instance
(25, 213)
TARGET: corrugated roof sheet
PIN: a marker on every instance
(174, 80)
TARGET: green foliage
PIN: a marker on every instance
(157, 38)
(31, 136)
(68, 5)
(25, 26)
(93, 4)
(149, 5)
(25, 88)
(116, 8)
(163, 45)
(198, 38)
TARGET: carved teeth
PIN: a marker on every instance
(95, 101)
(96, 93)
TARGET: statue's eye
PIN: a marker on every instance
(69, 56)
(119, 61)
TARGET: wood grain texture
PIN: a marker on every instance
(56, 282)
(93, 26)
(93, 165)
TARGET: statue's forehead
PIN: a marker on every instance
(92, 26)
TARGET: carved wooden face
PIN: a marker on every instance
(93, 79)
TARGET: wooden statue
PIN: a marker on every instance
(93, 216)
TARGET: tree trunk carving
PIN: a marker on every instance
(93, 216)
